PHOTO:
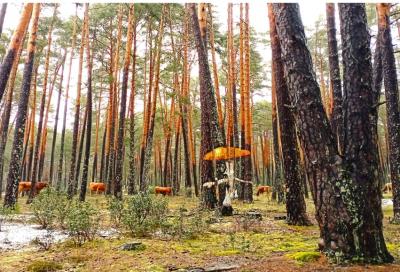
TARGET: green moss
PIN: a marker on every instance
(304, 256)
(44, 266)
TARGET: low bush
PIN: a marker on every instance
(44, 266)
(50, 208)
(43, 207)
(82, 222)
(46, 242)
(116, 210)
(144, 213)
(5, 214)
(186, 225)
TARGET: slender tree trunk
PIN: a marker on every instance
(43, 140)
(35, 166)
(14, 172)
(32, 131)
(2, 16)
(96, 144)
(112, 119)
(215, 73)
(61, 159)
(15, 43)
(278, 186)
(295, 204)
(392, 103)
(71, 179)
(5, 119)
(80, 151)
(247, 165)
(149, 142)
(53, 145)
(85, 170)
(211, 133)
(336, 119)
(175, 183)
(121, 126)
(102, 161)
(132, 162)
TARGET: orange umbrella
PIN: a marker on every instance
(225, 153)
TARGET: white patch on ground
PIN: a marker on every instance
(387, 202)
(16, 235)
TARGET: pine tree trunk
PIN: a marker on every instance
(72, 178)
(61, 159)
(145, 180)
(347, 204)
(43, 140)
(14, 172)
(132, 161)
(35, 166)
(102, 160)
(278, 186)
(32, 132)
(175, 183)
(80, 152)
(295, 204)
(215, 73)
(96, 144)
(121, 126)
(392, 103)
(2, 16)
(15, 43)
(5, 119)
(336, 119)
(85, 170)
(211, 134)
(113, 107)
(53, 144)
(247, 165)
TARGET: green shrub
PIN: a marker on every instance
(5, 214)
(82, 222)
(185, 225)
(50, 207)
(144, 213)
(116, 209)
(61, 208)
(44, 266)
(43, 207)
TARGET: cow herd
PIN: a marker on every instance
(100, 187)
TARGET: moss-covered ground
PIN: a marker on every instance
(242, 244)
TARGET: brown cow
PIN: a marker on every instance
(387, 188)
(263, 189)
(163, 190)
(97, 187)
(25, 186)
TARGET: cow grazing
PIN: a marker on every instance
(263, 189)
(163, 190)
(25, 186)
(387, 188)
(97, 187)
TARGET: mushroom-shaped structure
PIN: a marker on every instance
(227, 154)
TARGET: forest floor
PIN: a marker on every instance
(234, 243)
